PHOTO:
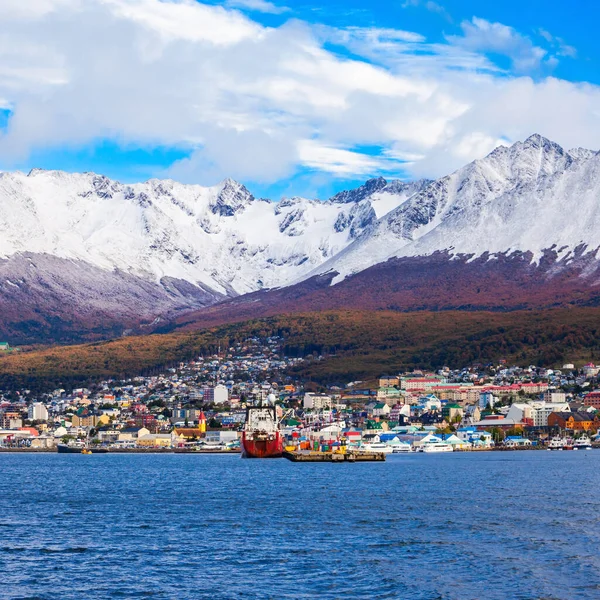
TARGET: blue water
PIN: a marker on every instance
(453, 526)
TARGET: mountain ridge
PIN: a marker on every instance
(80, 250)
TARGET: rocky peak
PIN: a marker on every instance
(364, 191)
(232, 198)
(582, 153)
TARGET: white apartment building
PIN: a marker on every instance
(316, 401)
(217, 395)
(541, 411)
(560, 397)
(37, 412)
(519, 411)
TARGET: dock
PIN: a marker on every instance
(337, 457)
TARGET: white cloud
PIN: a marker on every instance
(560, 46)
(186, 20)
(480, 35)
(258, 6)
(341, 162)
(430, 5)
(258, 103)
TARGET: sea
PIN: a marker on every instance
(458, 526)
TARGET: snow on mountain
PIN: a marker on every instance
(81, 250)
(530, 196)
(220, 238)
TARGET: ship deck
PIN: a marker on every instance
(337, 457)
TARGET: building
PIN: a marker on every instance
(534, 388)
(43, 441)
(555, 397)
(37, 412)
(189, 433)
(574, 421)
(478, 439)
(132, 433)
(4, 347)
(381, 409)
(159, 440)
(90, 420)
(388, 381)
(389, 395)
(399, 412)
(419, 383)
(592, 399)
(591, 370)
(429, 402)
(190, 415)
(540, 411)
(221, 437)
(216, 395)
(316, 401)
(10, 419)
(521, 412)
(493, 421)
(516, 441)
(452, 412)
(487, 400)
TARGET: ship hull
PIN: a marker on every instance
(64, 449)
(259, 447)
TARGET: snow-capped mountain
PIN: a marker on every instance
(84, 250)
(84, 244)
(531, 197)
(221, 238)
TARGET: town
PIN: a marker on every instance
(200, 406)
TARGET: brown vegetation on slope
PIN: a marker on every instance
(424, 283)
(355, 344)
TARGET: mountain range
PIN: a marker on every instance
(85, 257)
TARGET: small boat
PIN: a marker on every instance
(583, 443)
(376, 447)
(79, 449)
(401, 448)
(436, 445)
(556, 443)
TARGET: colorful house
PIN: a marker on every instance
(574, 421)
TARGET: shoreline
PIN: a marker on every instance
(237, 452)
(122, 451)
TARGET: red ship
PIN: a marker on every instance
(261, 437)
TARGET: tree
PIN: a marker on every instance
(514, 431)
(497, 434)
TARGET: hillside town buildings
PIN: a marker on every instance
(201, 403)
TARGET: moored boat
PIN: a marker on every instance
(583, 443)
(401, 448)
(436, 446)
(556, 443)
(261, 437)
(376, 447)
(79, 449)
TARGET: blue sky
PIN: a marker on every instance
(291, 98)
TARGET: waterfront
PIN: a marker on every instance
(453, 526)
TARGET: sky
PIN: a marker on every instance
(290, 97)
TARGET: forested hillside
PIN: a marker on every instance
(353, 344)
